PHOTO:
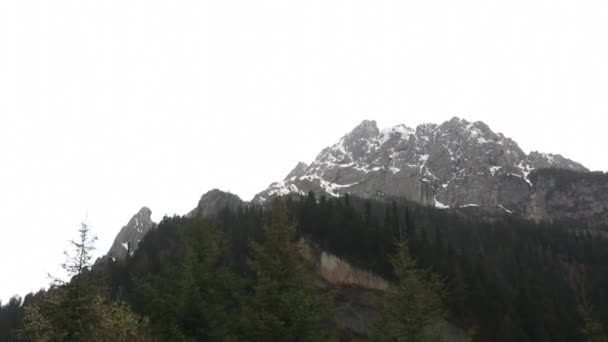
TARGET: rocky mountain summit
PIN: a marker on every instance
(458, 164)
(453, 165)
(214, 201)
(209, 206)
(130, 235)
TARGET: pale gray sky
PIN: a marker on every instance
(106, 106)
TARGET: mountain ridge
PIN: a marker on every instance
(454, 165)
(210, 205)
(427, 165)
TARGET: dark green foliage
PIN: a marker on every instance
(78, 310)
(181, 286)
(510, 279)
(283, 303)
(11, 315)
(413, 305)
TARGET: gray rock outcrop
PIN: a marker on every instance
(568, 196)
(339, 272)
(457, 164)
(213, 202)
(127, 240)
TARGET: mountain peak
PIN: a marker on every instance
(463, 124)
(366, 129)
(456, 164)
(214, 201)
(457, 120)
(130, 235)
(144, 212)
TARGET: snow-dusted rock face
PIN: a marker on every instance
(457, 164)
(130, 235)
(452, 165)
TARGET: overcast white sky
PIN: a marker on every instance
(107, 106)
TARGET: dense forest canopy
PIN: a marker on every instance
(504, 278)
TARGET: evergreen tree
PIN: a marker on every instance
(284, 304)
(367, 214)
(413, 305)
(186, 300)
(48, 320)
(11, 315)
(80, 261)
(77, 310)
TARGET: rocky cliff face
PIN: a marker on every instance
(209, 206)
(130, 235)
(339, 272)
(358, 293)
(453, 165)
(561, 195)
(214, 201)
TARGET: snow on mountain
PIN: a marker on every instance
(455, 164)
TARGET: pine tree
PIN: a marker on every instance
(77, 310)
(413, 305)
(186, 300)
(80, 261)
(284, 304)
(367, 214)
(11, 315)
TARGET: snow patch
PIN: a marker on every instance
(387, 133)
(476, 134)
(440, 205)
(430, 174)
(423, 158)
(526, 169)
(494, 169)
(329, 187)
(505, 209)
(282, 189)
(445, 185)
(549, 157)
(482, 140)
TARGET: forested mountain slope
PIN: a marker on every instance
(509, 246)
(510, 279)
